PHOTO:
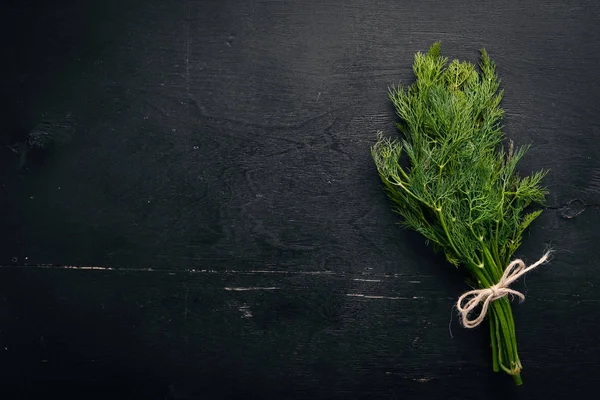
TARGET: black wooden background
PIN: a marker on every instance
(189, 209)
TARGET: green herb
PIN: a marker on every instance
(451, 179)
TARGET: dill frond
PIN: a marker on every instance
(451, 179)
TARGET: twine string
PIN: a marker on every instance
(468, 302)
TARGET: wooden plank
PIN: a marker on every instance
(289, 334)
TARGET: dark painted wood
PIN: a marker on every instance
(211, 159)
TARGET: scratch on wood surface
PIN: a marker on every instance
(246, 312)
(86, 267)
(279, 271)
(370, 296)
(371, 277)
(422, 380)
(367, 296)
(245, 289)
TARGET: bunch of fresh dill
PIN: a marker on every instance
(451, 179)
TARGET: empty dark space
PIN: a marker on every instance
(190, 211)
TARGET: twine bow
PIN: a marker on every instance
(513, 271)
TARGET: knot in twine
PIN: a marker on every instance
(469, 300)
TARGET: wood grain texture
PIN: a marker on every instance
(212, 158)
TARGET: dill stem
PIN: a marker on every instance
(445, 227)
(495, 269)
(407, 190)
(494, 339)
(495, 244)
(404, 175)
(501, 309)
(502, 329)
